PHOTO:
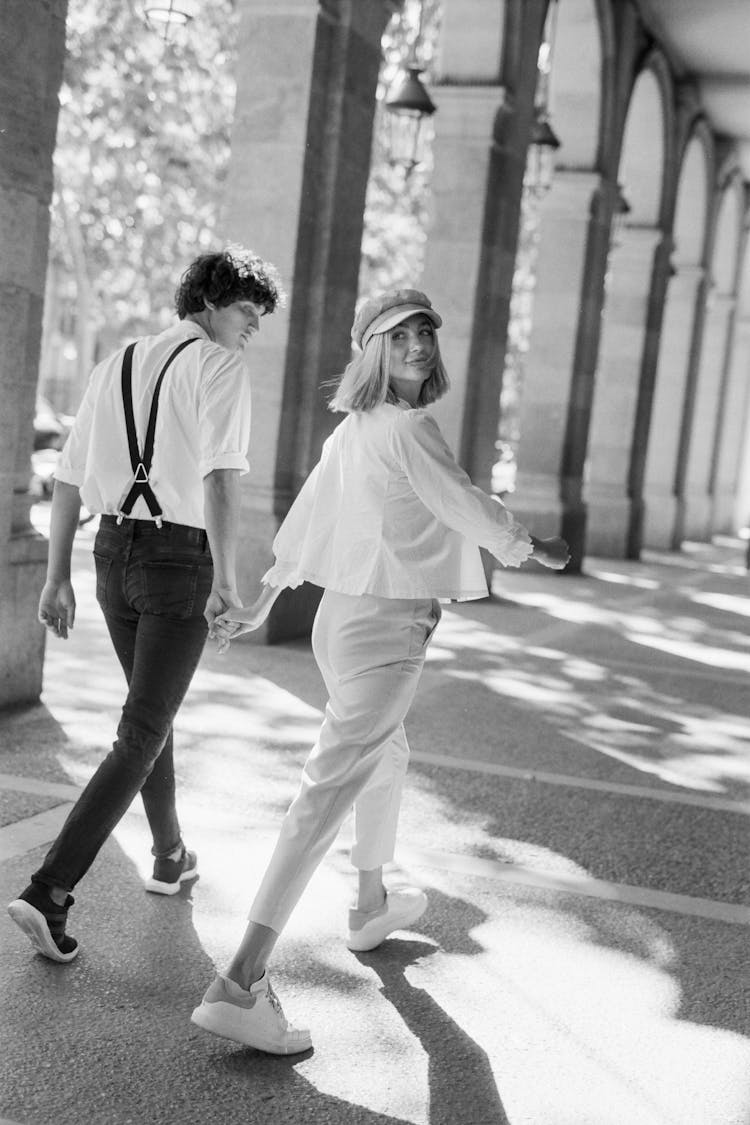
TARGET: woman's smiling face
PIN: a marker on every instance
(412, 355)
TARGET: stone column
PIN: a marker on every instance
(616, 393)
(730, 435)
(660, 501)
(548, 365)
(523, 24)
(32, 50)
(463, 131)
(307, 79)
(695, 521)
(468, 97)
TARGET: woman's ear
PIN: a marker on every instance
(209, 305)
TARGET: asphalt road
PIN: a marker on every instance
(577, 810)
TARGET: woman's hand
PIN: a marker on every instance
(553, 553)
(243, 619)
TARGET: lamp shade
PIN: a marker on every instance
(408, 104)
(540, 157)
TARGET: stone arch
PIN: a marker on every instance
(624, 373)
(649, 126)
(729, 217)
(703, 509)
(726, 273)
(578, 101)
(576, 94)
(675, 342)
(693, 202)
(740, 367)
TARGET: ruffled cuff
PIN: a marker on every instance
(516, 546)
(284, 574)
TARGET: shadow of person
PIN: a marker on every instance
(461, 1084)
(290, 1097)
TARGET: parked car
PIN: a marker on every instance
(51, 428)
(43, 465)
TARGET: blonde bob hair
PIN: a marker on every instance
(364, 383)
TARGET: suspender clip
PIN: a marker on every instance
(159, 522)
(120, 518)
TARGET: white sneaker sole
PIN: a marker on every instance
(34, 925)
(219, 1019)
(374, 933)
(155, 887)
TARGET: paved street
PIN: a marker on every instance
(577, 811)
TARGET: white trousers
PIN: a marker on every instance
(370, 652)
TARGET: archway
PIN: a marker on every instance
(614, 444)
(706, 408)
(576, 98)
(686, 267)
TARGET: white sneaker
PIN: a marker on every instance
(254, 1017)
(367, 929)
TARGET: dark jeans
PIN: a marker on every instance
(152, 585)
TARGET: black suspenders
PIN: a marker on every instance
(141, 462)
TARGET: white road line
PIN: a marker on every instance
(25, 835)
(623, 893)
(473, 765)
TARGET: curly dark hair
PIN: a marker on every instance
(229, 275)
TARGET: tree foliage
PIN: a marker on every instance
(142, 149)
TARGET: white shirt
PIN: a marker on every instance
(388, 511)
(203, 423)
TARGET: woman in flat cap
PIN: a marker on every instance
(389, 525)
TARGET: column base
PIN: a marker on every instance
(696, 518)
(659, 522)
(723, 519)
(22, 653)
(608, 526)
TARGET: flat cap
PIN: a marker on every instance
(379, 314)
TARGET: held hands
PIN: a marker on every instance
(236, 621)
(553, 553)
(219, 601)
(57, 607)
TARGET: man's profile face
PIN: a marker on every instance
(233, 325)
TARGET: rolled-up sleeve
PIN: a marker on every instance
(443, 487)
(71, 464)
(224, 414)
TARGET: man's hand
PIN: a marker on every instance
(57, 607)
(244, 619)
(553, 552)
(219, 601)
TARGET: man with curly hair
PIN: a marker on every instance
(157, 449)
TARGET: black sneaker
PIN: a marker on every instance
(43, 922)
(170, 873)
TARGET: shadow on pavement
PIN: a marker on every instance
(456, 1063)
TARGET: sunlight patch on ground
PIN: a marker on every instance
(624, 717)
(639, 583)
(728, 602)
(689, 650)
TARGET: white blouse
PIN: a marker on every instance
(203, 423)
(387, 511)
